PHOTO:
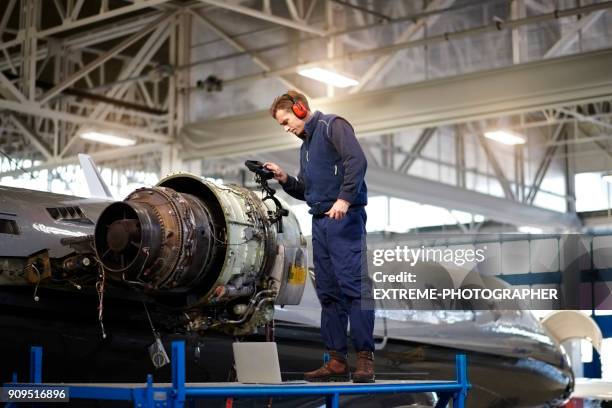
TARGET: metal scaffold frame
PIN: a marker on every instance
(179, 392)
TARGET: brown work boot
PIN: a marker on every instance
(336, 369)
(365, 367)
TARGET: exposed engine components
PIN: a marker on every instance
(212, 251)
(159, 238)
(262, 175)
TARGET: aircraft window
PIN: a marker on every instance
(8, 227)
(69, 214)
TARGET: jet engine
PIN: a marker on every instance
(221, 254)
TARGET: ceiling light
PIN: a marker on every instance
(607, 177)
(328, 77)
(507, 137)
(526, 229)
(108, 139)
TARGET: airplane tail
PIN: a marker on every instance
(97, 186)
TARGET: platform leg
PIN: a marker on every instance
(459, 400)
(460, 396)
(36, 365)
(178, 373)
(14, 381)
(332, 401)
(150, 400)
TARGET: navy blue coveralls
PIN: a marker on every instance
(332, 166)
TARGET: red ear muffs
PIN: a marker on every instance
(298, 108)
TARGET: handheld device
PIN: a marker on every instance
(258, 168)
(262, 175)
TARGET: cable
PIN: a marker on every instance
(36, 298)
(100, 289)
(155, 334)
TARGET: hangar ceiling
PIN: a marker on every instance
(189, 81)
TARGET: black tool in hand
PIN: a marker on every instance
(262, 175)
(258, 168)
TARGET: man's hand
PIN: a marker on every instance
(338, 210)
(279, 174)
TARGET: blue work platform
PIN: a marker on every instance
(178, 393)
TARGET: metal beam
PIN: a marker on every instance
(8, 10)
(570, 177)
(32, 109)
(568, 38)
(549, 154)
(87, 38)
(240, 47)
(432, 192)
(586, 118)
(365, 10)
(13, 92)
(266, 17)
(60, 9)
(499, 173)
(76, 9)
(540, 8)
(519, 39)
(134, 67)
(30, 21)
(436, 39)
(387, 61)
(460, 157)
(416, 149)
(31, 135)
(520, 88)
(519, 172)
(100, 17)
(99, 156)
(103, 58)
(109, 31)
(293, 11)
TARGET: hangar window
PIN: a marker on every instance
(593, 193)
(8, 227)
(69, 214)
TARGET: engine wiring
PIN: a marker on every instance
(100, 289)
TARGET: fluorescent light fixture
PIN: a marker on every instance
(526, 229)
(328, 77)
(607, 178)
(108, 139)
(507, 137)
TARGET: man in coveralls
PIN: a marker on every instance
(331, 181)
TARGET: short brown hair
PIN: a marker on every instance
(284, 102)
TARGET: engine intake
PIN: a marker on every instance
(158, 237)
